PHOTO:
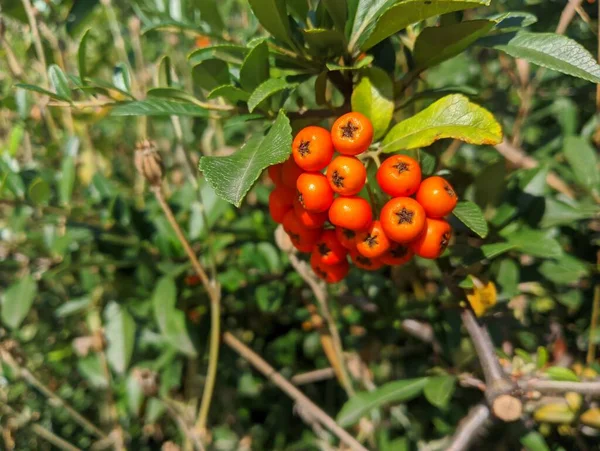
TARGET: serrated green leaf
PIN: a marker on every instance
(229, 92)
(211, 73)
(561, 213)
(583, 159)
(157, 107)
(272, 15)
(59, 81)
(81, 57)
(564, 271)
(437, 44)
(39, 191)
(439, 390)
(453, 116)
(170, 320)
(373, 96)
(555, 52)
(400, 15)
(255, 69)
(120, 335)
(266, 90)
(17, 301)
(536, 243)
(471, 215)
(233, 176)
(392, 392)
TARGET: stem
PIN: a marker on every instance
(313, 376)
(182, 424)
(214, 294)
(468, 428)
(591, 354)
(300, 398)
(560, 387)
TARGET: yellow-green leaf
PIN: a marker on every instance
(374, 97)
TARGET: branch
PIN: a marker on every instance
(313, 376)
(519, 158)
(423, 332)
(469, 428)
(559, 387)
(268, 371)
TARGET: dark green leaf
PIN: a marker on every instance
(39, 191)
(373, 96)
(272, 15)
(209, 13)
(230, 93)
(554, 51)
(560, 213)
(453, 116)
(165, 77)
(583, 159)
(255, 68)
(230, 53)
(82, 55)
(234, 175)
(437, 44)
(17, 301)
(120, 335)
(266, 90)
(79, 12)
(324, 42)
(439, 390)
(158, 107)
(337, 9)
(210, 74)
(491, 251)
(393, 392)
(470, 215)
(565, 270)
(535, 243)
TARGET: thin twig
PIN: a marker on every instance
(183, 424)
(559, 387)
(268, 371)
(214, 293)
(469, 428)
(423, 332)
(313, 376)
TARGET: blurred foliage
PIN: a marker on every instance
(85, 247)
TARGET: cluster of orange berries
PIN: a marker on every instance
(304, 199)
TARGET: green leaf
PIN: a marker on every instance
(402, 14)
(230, 53)
(37, 89)
(337, 9)
(392, 392)
(324, 42)
(165, 77)
(158, 107)
(172, 93)
(67, 180)
(120, 334)
(59, 81)
(534, 441)
(233, 176)
(92, 370)
(561, 213)
(266, 90)
(11, 179)
(439, 390)
(73, 306)
(170, 320)
(122, 77)
(15, 138)
(210, 74)
(81, 56)
(437, 44)
(470, 215)
(272, 15)
(210, 14)
(494, 250)
(555, 52)
(583, 159)
(321, 88)
(374, 97)
(558, 373)
(536, 243)
(39, 191)
(366, 61)
(453, 116)
(230, 93)
(17, 301)
(541, 357)
(255, 68)
(78, 14)
(564, 271)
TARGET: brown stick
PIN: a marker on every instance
(269, 372)
(559, 387)
(468, 428)
(313, 376)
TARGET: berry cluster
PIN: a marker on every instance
(304, 200)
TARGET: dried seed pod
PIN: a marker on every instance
(148, 162)
(147, 379)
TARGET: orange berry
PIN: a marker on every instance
(329, 250)
(433, 241)
(314, 192)
(346, 237)
(309, 219)
(329, 273)
(398, 254)
(352, 133)
(302, 238)
(346, 175)
(399, 176)
(202, 41)
(280, 202)
(290, 172)
(402, 219)
(437, 197)
(275, 174)
(351, 212)
(312, 148)
(362, 262)
(372, 242)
